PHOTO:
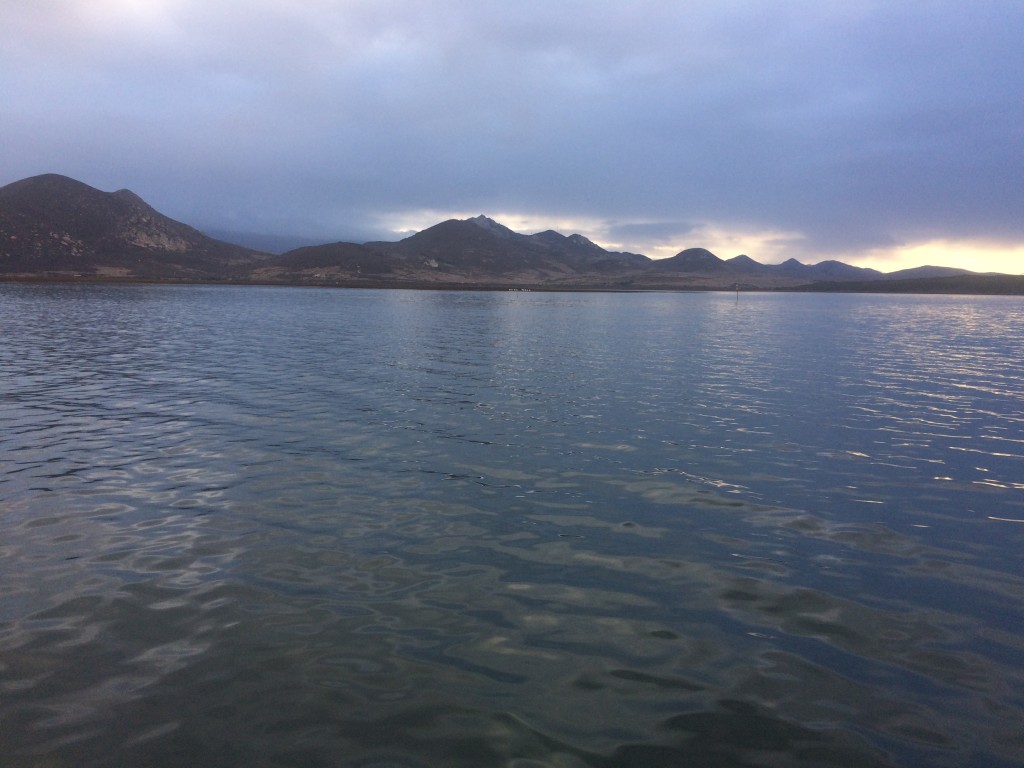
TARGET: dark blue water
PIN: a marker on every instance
(289, 527)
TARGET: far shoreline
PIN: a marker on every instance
(970, 285)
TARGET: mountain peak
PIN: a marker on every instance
(581, 240)
(692, 260)
(742, 261)
(49, 189)
(130, 197)
(489, 224)
(743, 264)
(55, 224)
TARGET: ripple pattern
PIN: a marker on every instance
(289, 527)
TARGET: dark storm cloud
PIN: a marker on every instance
(837, 126)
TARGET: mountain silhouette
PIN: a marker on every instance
(54, 227)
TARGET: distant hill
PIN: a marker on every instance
(478, 248)
(825, 270)
(271, 244)
(53, 225)
(926, 271)
(584, 255)
(694, 260)
(483, 247)
(459, 252)
(745, 265)
(701, 260)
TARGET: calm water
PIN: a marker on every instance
(288, 527)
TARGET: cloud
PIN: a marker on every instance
(662, 233)
(848, 127)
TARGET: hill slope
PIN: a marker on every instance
(53, 225)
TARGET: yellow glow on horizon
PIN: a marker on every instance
(766, 246)
(776, 246)
(977, 256)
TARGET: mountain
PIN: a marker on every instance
(742, 269)
(583, 254)
(478, 250)
(745, 265)
(482, 246)
(52, 225)
(692, 260)
(825, 270)
(477, 247)
(925, 272)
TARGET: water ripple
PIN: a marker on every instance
(288, 527)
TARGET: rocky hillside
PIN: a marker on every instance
(55, 226)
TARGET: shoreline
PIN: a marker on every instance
(972, 285)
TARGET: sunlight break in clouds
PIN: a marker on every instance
(977, 256)
(765, 246)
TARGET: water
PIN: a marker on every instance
(290, 527)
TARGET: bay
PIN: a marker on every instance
(301, 527)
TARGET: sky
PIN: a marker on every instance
(883, 134)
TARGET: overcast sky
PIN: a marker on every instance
(885, 134)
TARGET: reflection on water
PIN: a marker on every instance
(284, 527)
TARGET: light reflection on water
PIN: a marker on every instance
(285, 527)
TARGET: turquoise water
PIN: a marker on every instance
(291, 527)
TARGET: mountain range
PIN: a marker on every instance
(54, 227)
